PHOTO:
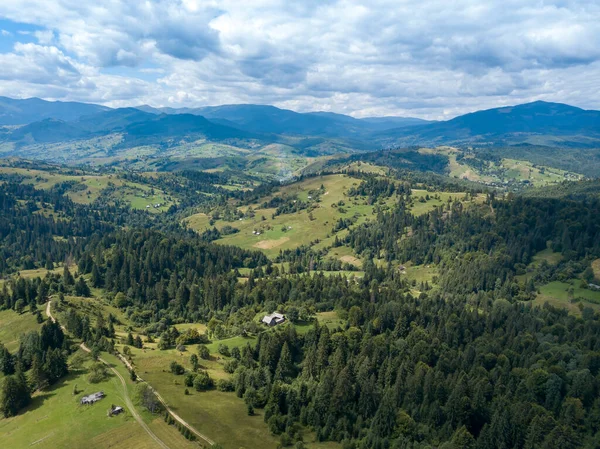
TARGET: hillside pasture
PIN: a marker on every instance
(288, 231)
(13, 325)
(568, 295)
(56, 420)
(425, 201)
(89, 187)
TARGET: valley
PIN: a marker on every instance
(404, 277)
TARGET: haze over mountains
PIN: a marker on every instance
(35, 122)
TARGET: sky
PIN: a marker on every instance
(433, 59)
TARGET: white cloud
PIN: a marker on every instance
(429, 58)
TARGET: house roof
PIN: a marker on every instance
(275, 316)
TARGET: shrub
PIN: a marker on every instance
(98, 373)
(225, 385)
(176, 368)
(202, 381)
(224, 350)
(189, 379)
(203, 352)
(230, 366)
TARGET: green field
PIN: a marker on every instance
(300, 229)
(345, 254)
(55, 419)
(92, 187)
(505, 172)
(13, 325)
(557, 294)
(436, 199)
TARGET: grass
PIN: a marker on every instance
(422, 207)
(37, 272)
(221, 416)
(13, 325)
(137, 195)
(330, 319)
(56, 420)
(345, 254)
(300, 229)
(420, 273)
(596, 268)
(556, 293)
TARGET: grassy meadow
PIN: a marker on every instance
(91, 187)
(568, 295)
(299, 228)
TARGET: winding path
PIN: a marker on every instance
(128, 402)
(175, 416)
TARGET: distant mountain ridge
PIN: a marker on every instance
(312, 133)
(22, 112)
(272, 120)
(513, 123)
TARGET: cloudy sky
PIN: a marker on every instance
(424, 58)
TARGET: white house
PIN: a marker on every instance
(92, 398)
(274, 319)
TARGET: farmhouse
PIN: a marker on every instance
(594, 286)
(274, 319)
(92, 398)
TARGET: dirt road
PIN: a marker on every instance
(175, 416)
(128, 402)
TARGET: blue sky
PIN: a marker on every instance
(424, 58)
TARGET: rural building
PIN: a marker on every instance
(274, 319)
(115, 410)
(92, 398)
(594, 286)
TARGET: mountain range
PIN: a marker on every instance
(35, 122)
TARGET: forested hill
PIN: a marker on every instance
(421, 311)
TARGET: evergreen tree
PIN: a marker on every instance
(7, 363)
(67, 277)
(81, 288)
(14, 394)
(285, 366)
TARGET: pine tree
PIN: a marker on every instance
(14, 395)
(37, 375)
(7, 362)
(81, 288)
(285, 367)
(67, 276)
(56, 365)
(96, 277)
